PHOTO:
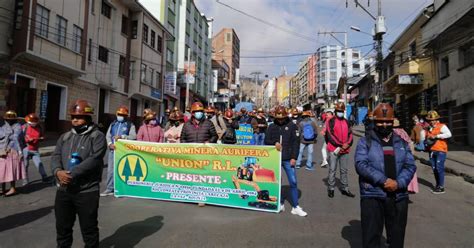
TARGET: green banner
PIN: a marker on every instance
(228, 175)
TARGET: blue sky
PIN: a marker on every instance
(306, 18)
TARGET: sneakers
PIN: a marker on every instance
(298, 166)
(438, 190)
(107, 193)
(309, 168)
(331, 193)
(324, 164)
(298, 211)
(282, 208)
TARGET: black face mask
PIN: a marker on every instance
(80, 129)
(383, 131)
(10, 122)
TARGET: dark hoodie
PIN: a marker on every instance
(91, 146)
(290, 141)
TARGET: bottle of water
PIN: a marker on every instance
(74, 160)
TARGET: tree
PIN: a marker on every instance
(126, 172)
(138, 170)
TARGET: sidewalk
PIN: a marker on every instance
(459, 162)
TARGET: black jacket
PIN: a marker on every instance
(91, 146)
(290, 141)
(204, 132)
(229, 136)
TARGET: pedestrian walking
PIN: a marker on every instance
(385, 166)
(244, 117)
(218, 122)
(259, 125)
(77, 164)
(413, 185)
(11, 146)
(307, 136)
(33, 134)
(120, 128)
(339, 136)
(150, 131)
(230, 136)
(328, 114)
(437, 142)
(283, 135)
(173, 134)
(418, 134)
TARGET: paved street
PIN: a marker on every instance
(27, 220)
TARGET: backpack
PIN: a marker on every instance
(229, 136)
(308, 131)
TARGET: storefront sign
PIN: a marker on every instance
(170, 82)
(43, 104)
(156, 93)
(246, 177)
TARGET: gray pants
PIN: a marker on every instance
(342, 160)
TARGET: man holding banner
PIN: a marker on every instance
(283, 134)
(198, 129)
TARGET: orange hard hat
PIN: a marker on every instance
(384, 112)
(149, 116)
(306, 113)
(10, 115)
(280, 112)
(229, 114)
(81, 107)
(340, 106)
(176, 116)
(167, 110)
(197, 106)
(432, 115)
(210, 109)
(122, 110)
(147, 111)
(32, 118)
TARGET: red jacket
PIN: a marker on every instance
(339, 135)
(32, 136)
(150, 133)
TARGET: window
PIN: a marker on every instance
(324, 64)
(93, 7)
(145, 33)
(89, 56)
(149, 78)
(61, 25)
(122, 66)
(355, 66)
(169, 56)
(106, 9)
(125, 25)
(333, 64)
(160, 44)
(413, 49)
(143, 71)
(134, 29)
(333, 76)
(159, 81)
(444, 67)
(466, 55)
(42, 21)
(355, 55)
(172, 4)
(77, 39)
(333, 87)
(228, 37)
(323, 76)
(401, 58)
(152, 39)
(332, 54)
(132, 70)
(103, 54)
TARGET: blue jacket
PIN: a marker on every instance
(369, 165)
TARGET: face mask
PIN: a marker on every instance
(383, 131)
(120, 118)
(422, 121)
(152, 122)
(340, 114)
(10, 122)
(80, 129)
(33, 124)
(198, 115)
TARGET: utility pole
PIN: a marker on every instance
(187, 79)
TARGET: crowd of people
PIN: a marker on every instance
(383, 158)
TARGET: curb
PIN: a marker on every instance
(447, 169)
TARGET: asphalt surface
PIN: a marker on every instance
(27, 220)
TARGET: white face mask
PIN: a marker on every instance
(120, 118)
(340, 114)
(421, 121)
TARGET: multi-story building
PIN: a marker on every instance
(283, 90)
(7, 8)
(294, 91)
(226, 48)
(448, 37)
(312, 79)
(269, 87)
(109, 53)
(302, 88)
(331, 66)
(221, 98)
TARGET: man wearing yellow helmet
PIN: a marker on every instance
(437, 136)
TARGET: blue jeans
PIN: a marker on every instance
(35, 155)
(309, 157)
(291, 174)
(110, 172)
(259, 139)
(437, 164)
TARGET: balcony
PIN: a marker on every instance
(404, 83)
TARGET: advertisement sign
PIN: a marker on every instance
(247, 177)
(43, 104)
(244, 135)
(192, 66)
(170, 82)
(214, 80)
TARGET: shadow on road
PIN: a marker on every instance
(20, 219)
(337, 185)
(285, 193)
(426, 183)
(353, 234)
(36, 185)
(131, 234)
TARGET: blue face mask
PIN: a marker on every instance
(120, 118)
(198, 115)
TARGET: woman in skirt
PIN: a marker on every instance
(11, 140)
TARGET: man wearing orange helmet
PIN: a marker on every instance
(339, 136)
(218, 122)
(229, 136)
(437, 140)
(385, 166)
(120, 128)
(283, 135)
(33, 135)
(77, 164)
(198, 129)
